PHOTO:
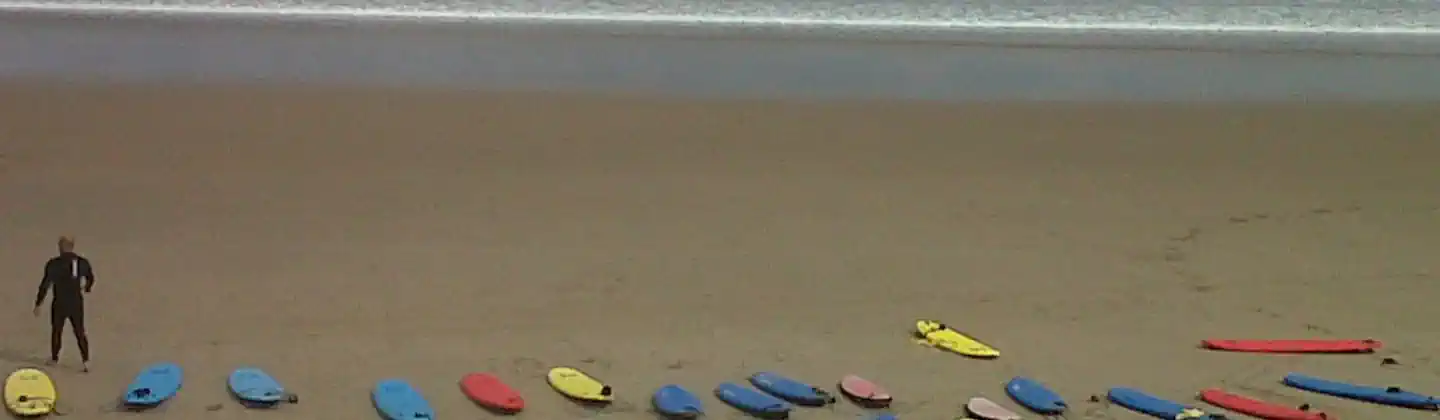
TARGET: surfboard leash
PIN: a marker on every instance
(829, 398)
(49, 402)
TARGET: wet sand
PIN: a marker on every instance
(337, 238)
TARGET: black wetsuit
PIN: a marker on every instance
(63, 273)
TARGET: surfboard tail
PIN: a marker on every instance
(824, 395)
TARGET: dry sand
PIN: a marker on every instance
(339, 238)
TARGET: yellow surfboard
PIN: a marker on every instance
(576, 384)
(29, 392)
(938, 335)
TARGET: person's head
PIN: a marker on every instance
(66, 244)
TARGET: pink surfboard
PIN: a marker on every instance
(864, 392)
(988, 410)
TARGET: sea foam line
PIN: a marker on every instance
(703, 21)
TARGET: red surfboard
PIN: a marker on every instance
(490, 392)
(864, 392)
(1294, 346)
(1258, 408)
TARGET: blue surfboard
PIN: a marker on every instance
(790, 390)
(1035, 396)
(1155, 406)
(395, 399)
(751, 401)
(674, 401)
(251, 385)
(1379, 395)
(155, 384)
(886, 417)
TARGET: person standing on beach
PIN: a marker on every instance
(63, 273)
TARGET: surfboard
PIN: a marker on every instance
(575, 384)
(154, 385)
(1143, 403)
(1379, 395)
(864, 392)
(492, 393)
(886, 416)
(1034, 396)
(985, 409)
(790, 390)
(254, 386)
(30, 392)
(752, 401)
(673, 401)
(1256, 408)
(1294, 346)
(396, 399)
(939, 335)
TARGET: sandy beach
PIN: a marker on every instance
(337, 238)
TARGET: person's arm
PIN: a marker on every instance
(44, 287)
(89, 274)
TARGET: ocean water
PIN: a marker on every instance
(913, 50)
(463, 57)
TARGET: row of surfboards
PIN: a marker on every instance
(31, 392)
(774, 396)
(770, 395)
(1165, 409)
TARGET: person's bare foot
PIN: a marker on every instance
(85, 367)
(51, 362)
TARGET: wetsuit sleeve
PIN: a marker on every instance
(44, 287)
(89, 274)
